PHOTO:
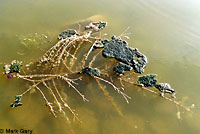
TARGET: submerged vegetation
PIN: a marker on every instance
(34, 40)
(59, 63)
(151, 81)
(119, 49)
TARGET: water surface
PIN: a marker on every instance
(166, 31)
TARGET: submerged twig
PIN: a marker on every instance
(106, 93)
(65, 104)
(126, 97)
(94, 58)
(86, 56)
(49, 104)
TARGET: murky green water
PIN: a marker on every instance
(166, 31)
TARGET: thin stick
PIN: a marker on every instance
(63, 50)
(79, 27)
(93, 59)
(30, 79)
(120, 80)
(67, 66)
(65, 104)
(124, 31)
(62, 45)
(69, 82)
(2, 63)
(109, 98)
(33, 86)
(75, 52)
(51, 52)
(55, 98)
(38, 75)
(126, 97)
(73, 41)
(88, 53)
(171, 100)
(47, 102)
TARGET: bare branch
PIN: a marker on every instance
(65, 104)
(109, 98)
(88, 53)
(54, 96)
(49, 104)
(93, 59)
(126, 97)
(69, 82)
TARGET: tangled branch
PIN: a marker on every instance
(64, 54)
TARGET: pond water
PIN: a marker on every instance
(166, 31)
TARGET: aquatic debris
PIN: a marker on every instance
(96, 26)
(14, 67)
(17, 101)
(67, 34)
(65, 51)
(150, 80)
(165, 88)
(27, 65)
(97, 44)
(178, 114)
(34, 40)
(147, 80)
(59, 51)
(91, 71)
(6, 69)
(10, 75)
(121, 68)
(140, 63)
(192, 106)
(119, 49)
